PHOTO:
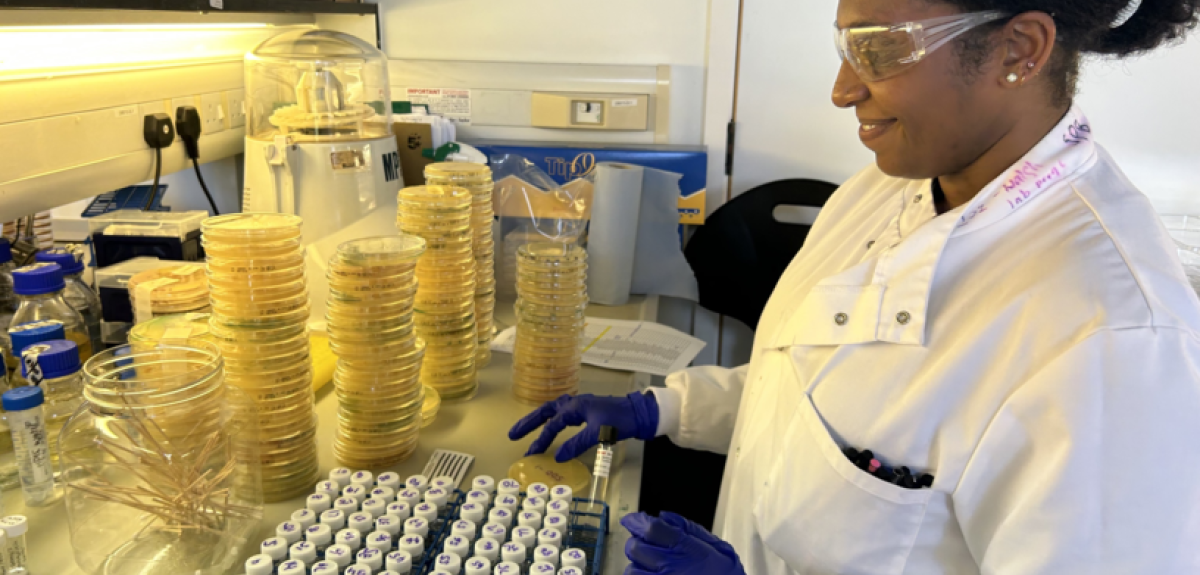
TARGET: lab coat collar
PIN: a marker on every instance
(885, 298)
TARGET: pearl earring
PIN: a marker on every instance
(1030, 65)
(1012, 77)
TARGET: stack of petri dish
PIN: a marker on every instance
(372, 283)
(445, 304)
(259, 320)
(477, 179)
(551, 301)
(169, 290)
(433, 403)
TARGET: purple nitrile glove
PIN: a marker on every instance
(669, 544)
(634, 416)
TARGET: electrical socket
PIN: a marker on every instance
(236, 100)
(212, 113)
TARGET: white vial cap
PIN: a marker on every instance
(508, 487)
(276, 548)
(562, 507)
(538, 490)
(340, 476)
(571, 571)
(358, 569)
(472, 512)
(346, 505)
(480, 497)
(500, 515)
(324, 568)
(508, 502)
(458, 545)
(389, 525)
(390, 479)
(487, 548)
(385, 494)
(318, 502)
(380, 540)
(361, 522)
(376, 507)
(306, 518)
(334, 518)
(293, 567)
(574, 557)
(561, 493)
(413, 544)
(372, 558)
(513, 551)
(427, 511)
(303, 551)
(484, 483)
(416, 526)
(530, 519)
(555, 521)
(400, 562)
(356, 492)
(400, 510)
(448, 562)
(464, 528)
(546, 554)
(478, 566)
(496, 532)
(363, 478)
(319, 534)
(542, 568)
(350, 538)
(550, 537)
(260, 565)
(437, 496)
(340, 554)
(288, 530)
(507, 568)
(534, 504)
(410, 496)
(526, 536)
(330, 488)
(418, 482)
(387, 572)
(445, 482)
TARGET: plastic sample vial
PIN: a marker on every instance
(341, 476)
(571, 571)
(346, 505)
(427, 511)
(293, 567)
(478, 566)
(602, 468)
(472, 512)
(534, 503)
(437, 496)
(386, 494)
(458, 545)
(487, 548)
(496, 532)
(320, 535)
(538, 490)
(549, 537)
(324, 568)
(363, 478)
(513, 552)
(464, 528)
(557, 522)
(55, 366)
(410, 496)
(574, 557)
(360, 522)
(509, 502)
(330, 488)
(16, 554)
(305, 517)
(358, 569)
(561, 493)
(484, 483)
(542, 568)
(290, 531)
(448, 562)
(341, 555)
(526, 536)
(77, 293)
(416, 526)
(546, 554)
(507, 568)
(26, 334)
(561, 507)
(418, 482)
(530, 519)
(390, 525)
(480, 497)
(443, 482)
(303, 551)
(260, 565)
(276, 548)
(399, 510)
(372, 558)
(319, 502)
(400, 562)
(379, 541)
(509, 487)
(500, 515)
(390, 480)
(39, 288)
(356, 492)
(27, 424)
(376, 507)
(350, 538)
(413, 544)
(334, 518)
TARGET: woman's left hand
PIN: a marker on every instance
(670, 544)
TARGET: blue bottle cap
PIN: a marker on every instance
(39, 278)
(22, 398)
(27, 334)
(57, 358)
(5, 251)
(65, 260)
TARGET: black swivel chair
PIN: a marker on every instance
(738, 256)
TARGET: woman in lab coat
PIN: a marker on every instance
(992, 303)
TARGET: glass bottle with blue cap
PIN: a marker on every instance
(27, 334)
(28, 421)
(55, 367)
(78, 294)
(8, 303)
(39, 288)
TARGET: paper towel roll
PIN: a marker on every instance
(612, 235)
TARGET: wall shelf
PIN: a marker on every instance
(259, 6)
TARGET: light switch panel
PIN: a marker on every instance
(589, 112)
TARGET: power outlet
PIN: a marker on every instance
(212, 113)
(236, 101)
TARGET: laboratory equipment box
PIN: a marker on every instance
(125, 234)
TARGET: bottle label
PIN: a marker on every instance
(32, 366)
(33, 435)
(604, 457)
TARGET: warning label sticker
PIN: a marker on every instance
(452, 103)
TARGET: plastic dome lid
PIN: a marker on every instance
(39, 278)
(27, 334)
(57, 358)
(314, 45)
(65, 259)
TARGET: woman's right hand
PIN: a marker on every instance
(634, 416)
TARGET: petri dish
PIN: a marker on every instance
(373, 297)
(251, 227)
(543, 468)
(435, 195)
(400, 350)
(235, 331)
(280, 290)
(255, 279)
(446, 305)
(223, 268)
(381, 251)
(431, 405)
(483, 357)
(458, 171)
(354, 334)
(337, 310)
(264, 249)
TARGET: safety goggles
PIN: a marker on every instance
(880, 52)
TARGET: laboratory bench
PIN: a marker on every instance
(478, 427)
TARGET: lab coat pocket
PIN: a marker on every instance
(822, 515)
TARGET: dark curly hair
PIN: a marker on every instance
(1084, 27)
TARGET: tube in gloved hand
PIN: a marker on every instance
(602, 469)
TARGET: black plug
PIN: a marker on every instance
(187, 121)
(158, 131)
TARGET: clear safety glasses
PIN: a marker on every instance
(880, 52)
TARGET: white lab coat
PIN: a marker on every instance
(1037, 350)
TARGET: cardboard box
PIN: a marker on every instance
(410, 140)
